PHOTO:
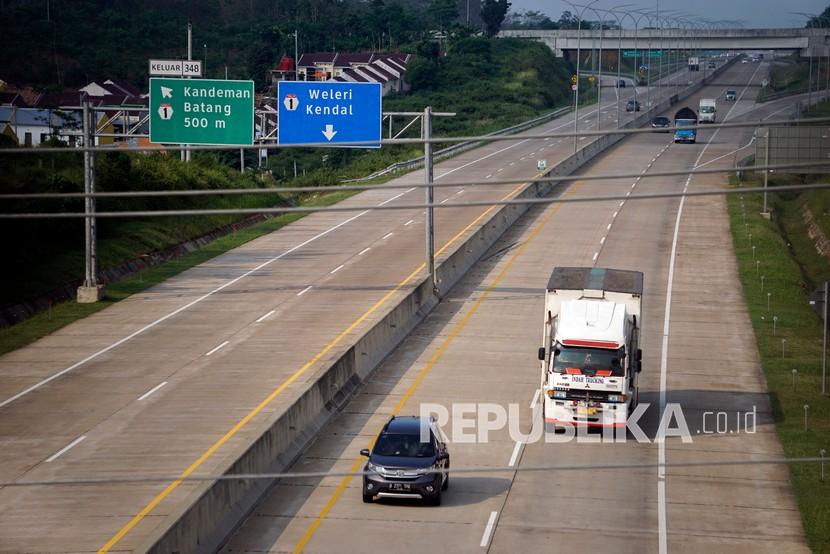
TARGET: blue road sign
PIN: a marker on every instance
(329, 111)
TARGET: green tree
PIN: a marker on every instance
(443, 13)
(493, 13)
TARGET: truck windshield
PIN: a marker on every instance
(588, 360)
(685, 122)
(707, 109)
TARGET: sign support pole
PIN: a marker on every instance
(89, 292)
(430, 230)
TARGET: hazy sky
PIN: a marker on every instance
(754, 13)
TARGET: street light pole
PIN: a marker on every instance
(578, 55)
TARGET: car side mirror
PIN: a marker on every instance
(542, 354)
(365, 452)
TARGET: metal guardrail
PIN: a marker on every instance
(461, 147)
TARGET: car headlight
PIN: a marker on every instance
(373, 467)
(426, 470)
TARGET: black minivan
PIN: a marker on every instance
(401, 465)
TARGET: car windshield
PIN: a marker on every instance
(730, 93)
(399, 445)
(661, 120)
(589, 360)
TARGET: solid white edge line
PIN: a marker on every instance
(175, 312)
(364, 250)
(664, 354)
(264, 317)
(72, 444)
(215, 348)
(488, 530)
(515, 455)
(152, 390)
(336, 269)
(305, 290)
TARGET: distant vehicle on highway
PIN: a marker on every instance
(707, 110)
(756, 60)
(744, 60)
(632, 106)
(661, 122)
(621, 84)
(731, 95)
(711, 65)
(400, 465)
(683, 119)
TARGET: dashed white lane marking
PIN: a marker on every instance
(489, 176)
(633, 185)
(261, 319)
(215, 348)
(512, 163)
(387, 235)
(500, 170)
(602, 240)
(305, 290)
(460, 191)
(408, 223)
(152, 390)
(615, 214)
(488, 530)
(72, 444)
(608, 227)
(336, 269)
(621, 203)
(444, 200)
(596, 255)
(535, 399)
(514, 456)
(628, 193)
(364, 251)
(582, 138)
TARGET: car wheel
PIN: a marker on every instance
(368, 498)
(436, 500)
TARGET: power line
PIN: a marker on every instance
(330, 188)
(456, 470)
(421, 206)
(403, 141)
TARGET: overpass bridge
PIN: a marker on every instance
(809, 42)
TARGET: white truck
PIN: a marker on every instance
(590, 354)
(707, 110)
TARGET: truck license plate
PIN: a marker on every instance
(586, 411)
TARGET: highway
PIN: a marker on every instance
(479, 345)
(158, 384)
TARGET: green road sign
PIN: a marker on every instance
(201, 111)
(642, 53)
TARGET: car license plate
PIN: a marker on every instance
(399, 486)
(586, 411)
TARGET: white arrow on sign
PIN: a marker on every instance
(329, 132)
(166, 92)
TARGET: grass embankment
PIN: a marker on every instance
(791, 268)
(791, 75)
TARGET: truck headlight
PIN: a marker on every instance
(561, 394)
(617, 398)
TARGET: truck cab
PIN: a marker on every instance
(684, 122)
(707, 110)
(591, 356)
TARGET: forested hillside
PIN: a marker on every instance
(59, 43)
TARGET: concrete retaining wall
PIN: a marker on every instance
(216, 508)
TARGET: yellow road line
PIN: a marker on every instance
(242, 422)
(335, 496)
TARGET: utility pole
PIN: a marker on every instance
(430, 230)
(824, 343)
(296, 58)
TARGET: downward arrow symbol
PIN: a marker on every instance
(329, 132)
